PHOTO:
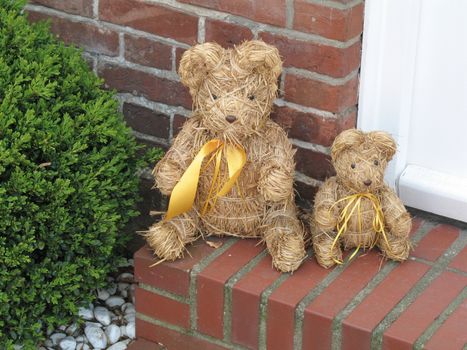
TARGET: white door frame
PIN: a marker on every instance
(390, 45)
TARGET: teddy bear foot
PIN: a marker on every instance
(398, 248)
(287, 249)
(165, 241)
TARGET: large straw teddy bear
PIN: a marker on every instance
(230, 169)
(355, 208)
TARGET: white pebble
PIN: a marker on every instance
(82, 346)
(102, 315)
(123, 286)
(114, 302)
(128, 308)
(131, 262)
(124, 293)
(67, 343)
(62, 328)
(71, 329)
(130, 317)
(80, 339)
(93, 324)
(86, 313)
(56, 337)
(112, 289)
(126, 277)
(113, 333)
(118, 346)
(48, 343)
(102, 294)
(123, 331)
(96, 337)
(130, 330)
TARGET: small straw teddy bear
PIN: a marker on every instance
(355, 208)
(230, 169)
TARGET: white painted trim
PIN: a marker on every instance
(387, 77)
(434, 191)
(390, 46)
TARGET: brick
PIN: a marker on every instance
(246, 299)
(283, 301)
(178, 122)
(226, 34)
(323, 59)
(150, 18)
(162, 308)
(314, 164)
(305, 194)
(319, 314)
(320, 95)
(148, 85)
(149, 144)
(311, 127)
(211, 281)
(453, 329)
(173, 340)
(423, 311)
(178, 56)
(357, 327)
(148, 52)
(85, 35)
(332, 23)
(435, 243)
(171, 276)
(265, 11)
(141, 344)
(460, 261)
(147, 121)
(76, 7)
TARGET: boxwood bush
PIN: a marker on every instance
(68, 180)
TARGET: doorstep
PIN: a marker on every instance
(232, 298)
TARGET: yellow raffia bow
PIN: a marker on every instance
(183, 194)
(354, 203)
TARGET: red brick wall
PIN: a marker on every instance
(136, 45)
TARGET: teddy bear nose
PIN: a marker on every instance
(231, 118)
(367, 182)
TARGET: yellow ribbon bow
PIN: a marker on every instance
(184, 193)
(353, 204)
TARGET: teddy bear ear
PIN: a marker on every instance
(383, 142)
(256, 55)
(345, 140)
(197, 62)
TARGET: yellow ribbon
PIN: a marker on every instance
(184, 193)
(354, 204)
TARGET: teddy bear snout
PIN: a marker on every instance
(367, 182)
(231, 118)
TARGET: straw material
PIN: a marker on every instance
(355, 208)
(240, 83)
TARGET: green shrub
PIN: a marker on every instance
(68, 180)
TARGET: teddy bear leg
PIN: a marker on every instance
(284, 237)
(168, 239)
(326, 252)
(396, 248)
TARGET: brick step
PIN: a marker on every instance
(232, 298)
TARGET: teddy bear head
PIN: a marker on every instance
(360, 158)
(233, 89)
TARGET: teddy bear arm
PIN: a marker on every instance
(326, 212)
(171, 167)
(277, 171)
(397, 218)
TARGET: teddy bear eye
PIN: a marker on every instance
(376, 162)
(252, 97)
(214, 97)
(352, 165)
